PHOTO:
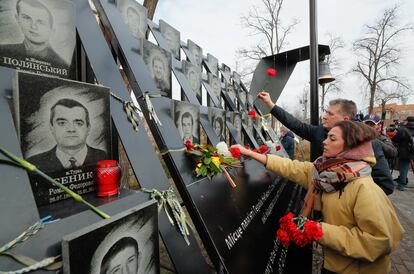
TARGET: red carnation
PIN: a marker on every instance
(252, 113)
(313, 230)
(264, 149)
(278, 148)
(300, 239)
(189, 145)
(247, 147)
(254, 150)
(235, 152)
(283, 237)
(271, 72)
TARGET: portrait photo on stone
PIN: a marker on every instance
(217, 118)
(172, 36)
(196, 51)
(237, 123)
(242, 98)
(215, 85)
(212, 63)
(193, 75)
(38, 36)
(125, 243)
(226, 73)
(187, 120)
(158, 62)
(62, 124)
(134, 16)
(236, 78)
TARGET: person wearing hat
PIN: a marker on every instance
(390, 151)
(403, 138)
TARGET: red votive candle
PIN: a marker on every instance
(107, 176)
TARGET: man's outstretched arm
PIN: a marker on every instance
(304, 130)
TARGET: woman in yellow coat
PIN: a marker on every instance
(360, 226)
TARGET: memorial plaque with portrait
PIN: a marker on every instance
(172, 36)
(125, 243)
(232, 94)
(158, 62)
(217, 119)
(186, 118)
(237, 123)
(236, 78)
(134, 16)
(64, 129)
(215, 85)
(242, 99)
(38, 36)
(248, 121)
(193, 75)
(212, 63)
(226, 72)
(196, 51)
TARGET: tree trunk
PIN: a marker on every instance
(371, 99)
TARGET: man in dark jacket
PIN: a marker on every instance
(390, 151)
(288, 141)
(402, 139)
(339, 110)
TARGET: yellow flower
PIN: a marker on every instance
(197, 168)
(216, 161)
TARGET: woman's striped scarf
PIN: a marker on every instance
(335, 173)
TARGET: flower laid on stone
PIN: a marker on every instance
(271, 72)
(252, 113)
(299, 230)
(210, 161)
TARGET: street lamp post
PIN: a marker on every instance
(314, 59)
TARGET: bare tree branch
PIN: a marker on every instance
(265, 22)
(380, 56)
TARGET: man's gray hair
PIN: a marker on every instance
(346, 107)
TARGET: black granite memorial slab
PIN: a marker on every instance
(125, 243)
(64, 129)
(134, 16)
(38, 36)
(172, 36)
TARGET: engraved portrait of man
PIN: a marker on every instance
(39, 42)
(196, 51)
(158, 62)
(193, 75)
(172, 36)
(186, 118)
(134, 16)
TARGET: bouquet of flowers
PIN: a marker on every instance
(210, 160)
(299, 230)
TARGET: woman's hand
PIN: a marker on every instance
(265, 98)
(254, 155)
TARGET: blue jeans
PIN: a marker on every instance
(404, 166)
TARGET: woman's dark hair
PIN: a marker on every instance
(355, 133)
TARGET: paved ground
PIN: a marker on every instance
(403, 257)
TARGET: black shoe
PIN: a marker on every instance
(400, 187)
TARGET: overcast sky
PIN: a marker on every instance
(215, 26)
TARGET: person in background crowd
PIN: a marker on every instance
(390, 151)
(288, 141)
(405, 154)
(338, 110)
(360, 226)
(390, 131)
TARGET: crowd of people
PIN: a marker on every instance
(348, 183)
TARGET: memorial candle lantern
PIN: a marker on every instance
(107, 177)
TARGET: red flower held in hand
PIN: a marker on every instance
(189, 145)
(278, 148)
(283, 237)
(235, 152)
(252, 113)
(264, 149)
(271, 72)
(313, 230)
